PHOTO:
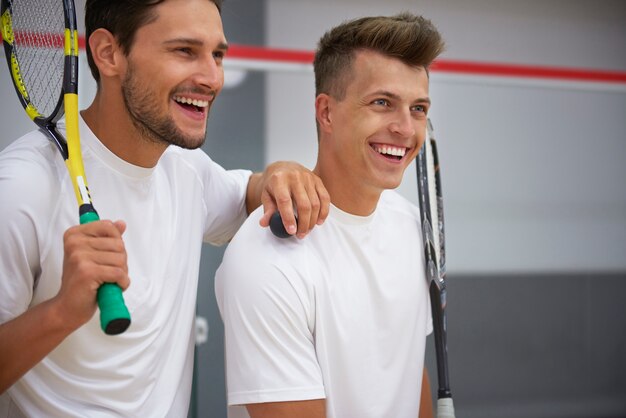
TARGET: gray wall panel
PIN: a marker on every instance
(537, 346)
(235, 139)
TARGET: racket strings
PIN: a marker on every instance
(38, 47)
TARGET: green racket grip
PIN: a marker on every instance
(114, 315)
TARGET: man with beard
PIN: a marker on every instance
(158, 65)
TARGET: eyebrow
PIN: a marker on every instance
(196, 42)
(397, 97)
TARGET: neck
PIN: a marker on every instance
(346, 192)
(114, 128)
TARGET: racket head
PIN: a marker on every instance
(436, 202)
(33, 36)
(431, 208)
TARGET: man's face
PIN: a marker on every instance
(380, 124)
(175, 72)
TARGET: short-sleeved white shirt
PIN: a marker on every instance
(342, 314)
(169, 210)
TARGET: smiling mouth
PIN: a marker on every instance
(192, 104)
(390, 152)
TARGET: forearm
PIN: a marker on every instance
(254, 192)
(426, 402)
(27, 339)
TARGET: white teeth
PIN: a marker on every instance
(187, 100)
(389, 150)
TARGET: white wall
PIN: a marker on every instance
(533, 171)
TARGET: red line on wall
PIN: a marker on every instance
(448, 66)
(270, 54)
(440, 66)
(528, 71)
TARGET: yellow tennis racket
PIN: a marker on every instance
(41, 45)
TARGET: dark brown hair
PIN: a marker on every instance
(410, 38)
(122, 18)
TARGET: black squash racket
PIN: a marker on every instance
(431, 210)
(41, 45)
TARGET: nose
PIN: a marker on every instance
(403, 124)
(210, 73)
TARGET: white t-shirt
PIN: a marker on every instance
(342, 314)
(169, 210)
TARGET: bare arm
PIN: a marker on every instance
(284, 185)
(315, 408)
(27, 339)
(426, 402)
(94, 254)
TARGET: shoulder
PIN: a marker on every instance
(255, 258)
(33, 150)
(254, 248)
(31, 170)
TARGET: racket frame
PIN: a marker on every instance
(432, 227)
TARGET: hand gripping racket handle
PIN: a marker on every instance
(114, 316)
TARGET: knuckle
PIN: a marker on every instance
(316, 205)
(119, 246)
(82, 268)
(283, 199)
(304, 207)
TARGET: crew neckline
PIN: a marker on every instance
(89, 141)
(350, 219)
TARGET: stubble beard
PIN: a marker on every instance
(142, 106)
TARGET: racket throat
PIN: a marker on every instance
(58, 141)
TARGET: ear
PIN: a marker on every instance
(323, 111)
(106, 53)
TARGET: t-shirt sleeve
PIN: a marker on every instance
(22, 191)
(224, 197)
(270, 352)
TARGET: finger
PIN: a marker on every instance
(314, 203)
(110, 274)
(99, 235)
(302, 202)
(86, 261)
(122, 280)
(285, 207)
(97, 229)
(324, 198)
